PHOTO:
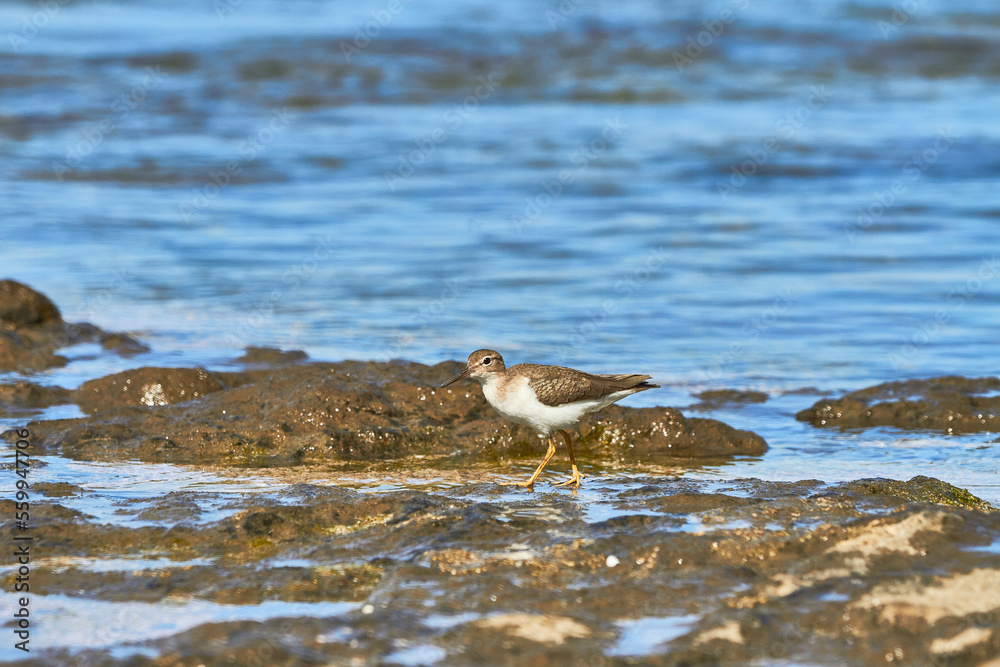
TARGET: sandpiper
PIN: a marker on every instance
(547, 398)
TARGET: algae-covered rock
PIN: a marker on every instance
(650, 571)
(348, 412)
(146, 387)
(648, 434)
(953, 404)
(923, 489)
(32, 330)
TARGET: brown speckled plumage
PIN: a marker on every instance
(555, 385)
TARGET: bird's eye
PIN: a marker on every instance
(487, 361)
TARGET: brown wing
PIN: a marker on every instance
(555, 385)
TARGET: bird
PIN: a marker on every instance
(548, 399)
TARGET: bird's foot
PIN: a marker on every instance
(573, 481)
(525, 485)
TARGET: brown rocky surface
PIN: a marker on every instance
(32, 330)
(719, 398)
(145, 387)
(953, 404)
(23, 397)
(718, 572)
(263, 357)
(347, 412)
(22, 307)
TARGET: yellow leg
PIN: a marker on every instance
(548, 455)
(577, 477)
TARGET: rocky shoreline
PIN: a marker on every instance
(447, 566)
(723, 573)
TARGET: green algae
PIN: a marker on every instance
(923, 489)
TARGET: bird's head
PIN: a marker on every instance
(481, 364)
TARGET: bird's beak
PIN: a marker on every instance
(461, 376)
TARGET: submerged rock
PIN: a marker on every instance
(951, 403)
(348, 412)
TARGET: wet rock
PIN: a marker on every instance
(264, 357)
(122, 345)
(21, 353)
(719, 398)
(758, 573)
(921, 488)
(31, 330)
(552, 630)
(24, 397)
(145, 387)
(633, 435)
(23, 307)
(292, 584)
(57, 489)
(174, 508)
(349, 412)
(953, 404)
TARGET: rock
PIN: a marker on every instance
(552, 630)
(799, 573)
(952, 404)
(633, 435)
(31, 330)
(349, 412)
(57, 489)
(20, 353)
(925, 489)
(20, 397)
(122, 345)
(22, 307)
(269, 357)
(718, 398)
(145, 387)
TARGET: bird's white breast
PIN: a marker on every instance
(516, 401)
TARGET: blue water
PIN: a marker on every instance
(810, 201)
(721, 194)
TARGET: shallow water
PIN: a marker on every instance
(809, 202)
